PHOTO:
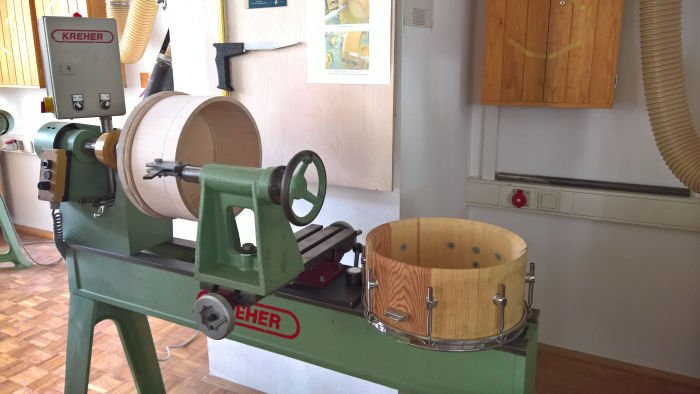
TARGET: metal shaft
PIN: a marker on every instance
(106, 124)
(191, 174)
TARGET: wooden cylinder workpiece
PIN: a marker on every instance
(174, 126)
(464, 263)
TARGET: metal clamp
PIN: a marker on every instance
(395, 315)
(430, 303)
(501, 301)
(371, 285)
(530, 280)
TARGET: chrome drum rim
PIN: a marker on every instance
(452, 345)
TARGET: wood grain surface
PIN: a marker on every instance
(463, 261)
(551, 53)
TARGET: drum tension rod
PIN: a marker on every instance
(501, 301)
(430, 303)
(530, 280)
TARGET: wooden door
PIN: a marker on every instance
(551, 52)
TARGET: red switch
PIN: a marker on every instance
(519, 198)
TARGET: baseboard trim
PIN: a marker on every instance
(619, 365)
(26, 230)
(229, 385)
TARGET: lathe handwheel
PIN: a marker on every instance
(295, 187)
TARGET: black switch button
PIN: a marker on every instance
(44, 185)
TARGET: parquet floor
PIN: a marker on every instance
(33, 328)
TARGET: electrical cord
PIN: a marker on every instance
(58, 232)
(168, 349)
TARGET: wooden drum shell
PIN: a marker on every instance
(174, 126)
(409, 256)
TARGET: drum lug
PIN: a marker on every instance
(395, 315)
(430, 303)
(501, 301)
(530, 280)
(371, 284)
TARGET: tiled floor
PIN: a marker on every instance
(33, 327)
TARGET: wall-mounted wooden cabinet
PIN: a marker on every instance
(20, 56)
(558, 53)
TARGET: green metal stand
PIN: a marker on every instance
(15, 254)
(135, 334)
(107, 285)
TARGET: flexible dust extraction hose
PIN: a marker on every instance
(136, 28)
(664, 86)
(119, 10)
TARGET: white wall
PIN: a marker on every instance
(435, 112)
(614, 290)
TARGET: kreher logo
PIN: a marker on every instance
(268, 319)
(83, 36)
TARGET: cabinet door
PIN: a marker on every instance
(515, 46)
(582, 52)
(560, 53)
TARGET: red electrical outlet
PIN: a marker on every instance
(519, 198)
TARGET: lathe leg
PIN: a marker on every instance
(15, 253)
(135, 334)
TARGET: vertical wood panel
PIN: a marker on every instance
(536, 55)
(48, 6)
(605, 51)
(583, 26)
(492, 67)
(96, 8)
(37, 48)
(30, 42)
(73, 7)
(513, 53)
(16, 51)
(20, 7)
(8, 44)
(23, 44)
(558, 51)
(4, 50)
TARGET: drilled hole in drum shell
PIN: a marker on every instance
(498, 256)
(476, 250)
(403, 247)
(475, 264)
(450, 245)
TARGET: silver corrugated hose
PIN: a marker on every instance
(664, 86)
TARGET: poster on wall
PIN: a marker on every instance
(349, 41)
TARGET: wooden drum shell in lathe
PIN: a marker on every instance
(174, 126)
(463, 261)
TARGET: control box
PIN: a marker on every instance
(81, 67)
(53, 176)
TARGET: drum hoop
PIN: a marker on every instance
(452, 345)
